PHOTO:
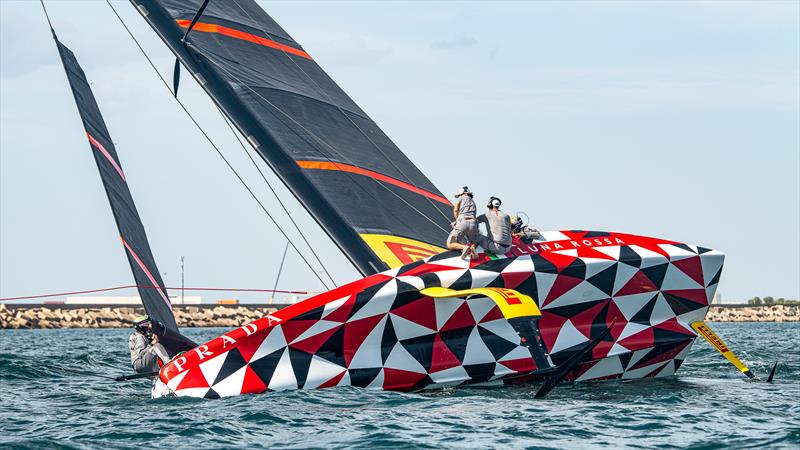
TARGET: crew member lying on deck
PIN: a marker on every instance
(498, 229)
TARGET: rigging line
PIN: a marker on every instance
(221, 155)
(139, 286)
(322, 141)
(341, 110)
(275, 194)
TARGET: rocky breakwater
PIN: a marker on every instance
(746, 313)
(55, 316)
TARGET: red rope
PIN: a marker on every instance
(60, 294)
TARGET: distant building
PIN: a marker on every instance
(717, 300)
(129, 300)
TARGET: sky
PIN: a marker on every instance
(679, 120)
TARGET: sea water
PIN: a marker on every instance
(50, 398)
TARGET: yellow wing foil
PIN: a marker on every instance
(712, 338)
(511, 303)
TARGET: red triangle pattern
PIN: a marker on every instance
(442, 357)
(252, 384)
(583, 320)
(560, 260)
(602, 349)
(673, 325)
(400, 380)
(519, 365)
(590, 252)
(641, 340)
(294, 328)
(616, 317)
(248, 347)
(665, 356)
(355, 332)
(333, 381)
(493, 314)
(313, 343)
(655, 371)
(561, 286)
(422, 312)
(549, 326)
(638, 284)
(513, 279)
(194, 379)
(461, 318)
(342, 312)
(698, 296)
(691, 267)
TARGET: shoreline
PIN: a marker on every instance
(42, 316)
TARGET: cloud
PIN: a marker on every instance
(461, 41)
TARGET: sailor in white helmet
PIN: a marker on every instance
(498, 228)
(465, 227)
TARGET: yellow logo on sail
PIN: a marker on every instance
(396, 251)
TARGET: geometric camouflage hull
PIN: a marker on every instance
(382, 332)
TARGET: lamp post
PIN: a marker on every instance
(182, 280)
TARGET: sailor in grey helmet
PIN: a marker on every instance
(144, 346)
(498, 228)
(465, 227)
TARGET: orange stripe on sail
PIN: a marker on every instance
(230, 32)
(326, 165)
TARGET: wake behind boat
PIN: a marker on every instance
(574, 305)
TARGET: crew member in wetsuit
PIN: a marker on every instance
(498, 228)
(465, 228)
(144, 346)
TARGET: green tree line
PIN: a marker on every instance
(771, 301)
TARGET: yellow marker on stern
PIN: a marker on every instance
(709, 335)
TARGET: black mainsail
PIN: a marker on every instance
(131, 231)
(378, 207)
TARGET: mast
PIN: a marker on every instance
(131, 230)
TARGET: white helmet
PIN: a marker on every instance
(462, 191)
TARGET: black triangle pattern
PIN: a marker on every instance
(681, 305)
(604, 280)
(265, 367)
(716, 278)
(495, 265)
(643, 315)
(363, 297)
(480, 372)
(629, 257)
(463, 282)
(233, 362)
(363, 377)
(408, 267)
(542, 265)
(575, 269)
(421, 349)
(497, 345)
(456, 341)
(301, 362)
(656, 273)
(388, 340)
(332, 349)
(211, 394)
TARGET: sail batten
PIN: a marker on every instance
(132, 234)
(353, 180)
